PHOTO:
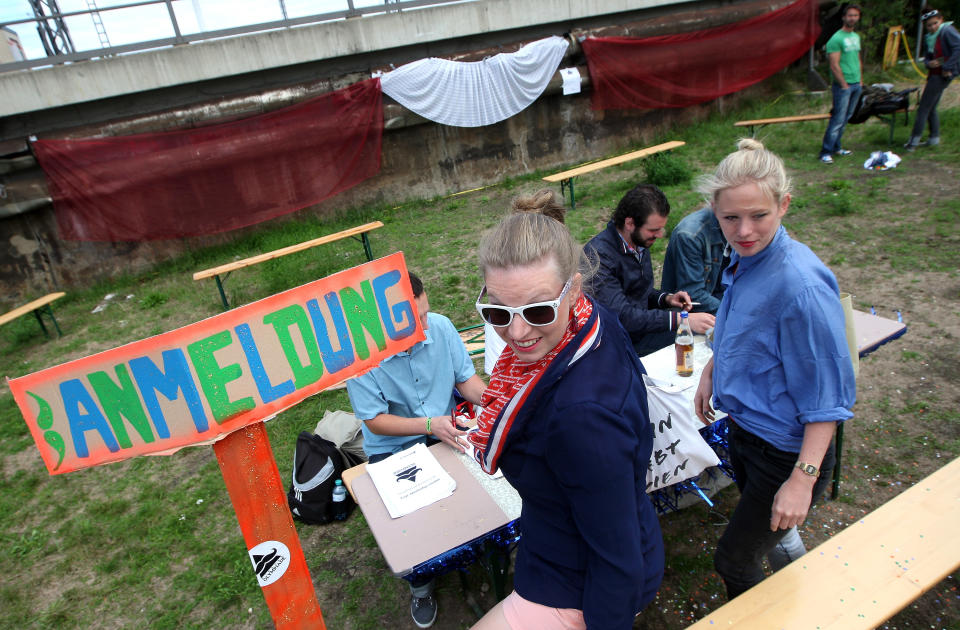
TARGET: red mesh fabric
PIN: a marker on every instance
(218, 178)
(690, 68)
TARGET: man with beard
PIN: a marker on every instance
(846, 68)
(624, 278)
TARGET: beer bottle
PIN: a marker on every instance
(684, 346)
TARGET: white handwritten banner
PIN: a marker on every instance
(679, 451)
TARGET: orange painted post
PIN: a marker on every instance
(260, 502)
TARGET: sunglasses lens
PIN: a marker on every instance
(539, 315)
(495, 316)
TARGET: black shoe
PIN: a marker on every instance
(423, 610)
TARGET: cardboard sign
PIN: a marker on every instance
(198, 383)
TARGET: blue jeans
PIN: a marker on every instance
(759, 469)
(844, 104)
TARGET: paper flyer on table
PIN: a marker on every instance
(410, 480)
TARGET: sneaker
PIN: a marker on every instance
(843, 152)
(930, 142)
(910, 147)
(912, 144)
(826, 159)
(423, 610)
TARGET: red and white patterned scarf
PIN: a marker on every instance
(511, 384)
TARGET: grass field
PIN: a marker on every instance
(153, 542)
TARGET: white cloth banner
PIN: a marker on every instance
(679, 451)
(410, 480)
(476, 93)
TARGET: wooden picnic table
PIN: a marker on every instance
(865, 574)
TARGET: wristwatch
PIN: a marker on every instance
(808, 469)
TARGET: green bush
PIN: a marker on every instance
(667, 169)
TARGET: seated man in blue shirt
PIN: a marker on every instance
(624, 279)
(409, 398)
(696, 256)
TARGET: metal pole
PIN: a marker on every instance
(923, 5)
(173, 21)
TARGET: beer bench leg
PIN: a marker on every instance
(564, 183)
(499, 566)
(468, 595)
(49, 310)
(223, 296)
(36, 312)
(366, 245)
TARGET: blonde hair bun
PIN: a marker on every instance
(544, 202)
(749, 144)
(751, 162)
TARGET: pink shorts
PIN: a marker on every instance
(521, 614)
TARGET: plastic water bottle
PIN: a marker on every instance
(684, 346)
(339, 500)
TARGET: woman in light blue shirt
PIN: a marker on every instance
(781, 367)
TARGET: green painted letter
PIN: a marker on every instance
(122, 400)
(214, 379)
(362, 313)
(281, 321)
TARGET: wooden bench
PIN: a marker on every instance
(38, 307)
(566, 177)
(890, 119)
(776, 121)
(866, 573)
(215, 272)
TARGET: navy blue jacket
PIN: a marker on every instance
(577, 453)
(624, 284)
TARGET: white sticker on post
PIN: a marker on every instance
(270, 561)
(571, 80)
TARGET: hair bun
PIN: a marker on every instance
(544, 202)
(749, 144)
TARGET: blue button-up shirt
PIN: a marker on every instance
(412, 384)
(781, 358)
(694, 260)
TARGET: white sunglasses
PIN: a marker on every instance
(536, 314)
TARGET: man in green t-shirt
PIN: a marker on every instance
(843, 51)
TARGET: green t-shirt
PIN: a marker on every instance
(848, 45)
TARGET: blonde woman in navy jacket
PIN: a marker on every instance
(565, 418)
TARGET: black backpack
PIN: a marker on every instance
(875, 101)
(317, 464)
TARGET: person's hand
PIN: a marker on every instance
(680, 300)
(444, 430)
(701, 322)
(934, 63)
(792, 501)
(844, 86)
(701, 400)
